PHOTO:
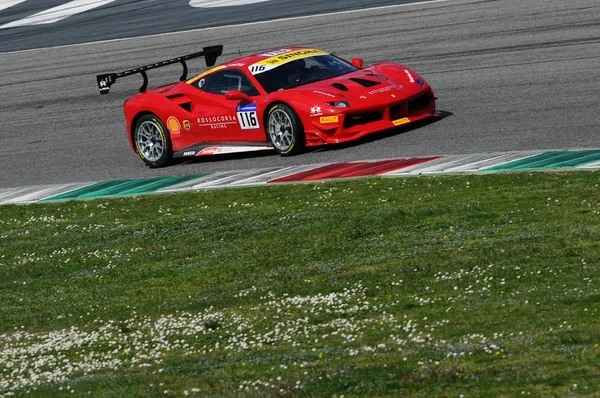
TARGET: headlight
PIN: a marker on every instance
(339, 104)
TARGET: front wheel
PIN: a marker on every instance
(285, 130)
(152, 141)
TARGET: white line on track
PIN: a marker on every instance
(58, 13)
(222, 3)
(234, 25)
(9, 3)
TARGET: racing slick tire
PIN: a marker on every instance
(284, 130)
(152, 141)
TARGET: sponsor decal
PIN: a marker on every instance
(275, 52)
(238, 64)
(363, 97)
(307, 52)
(104, 84)
(215, 150)
(209, 151)
(381, 90)
(325, 94)
(402, 121)
(217, 122)
(189, 153)
(246, 108)
(173, 125)
(316, 111)
(216, 119)
(186, 124)
(278, 60)
(410, 76)
(329, 119)
(393, 95)
(247, 117)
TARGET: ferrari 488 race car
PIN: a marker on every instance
(286, 99)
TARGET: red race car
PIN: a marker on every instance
(285, 99)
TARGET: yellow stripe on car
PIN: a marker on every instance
(205, 73)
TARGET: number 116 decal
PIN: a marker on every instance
(247, 117)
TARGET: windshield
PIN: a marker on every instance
(303, 71)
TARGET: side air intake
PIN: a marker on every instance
(186, 106)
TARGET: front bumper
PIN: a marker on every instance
(355, 123)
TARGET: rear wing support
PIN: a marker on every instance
(105, 81)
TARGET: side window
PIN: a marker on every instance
(224, 81)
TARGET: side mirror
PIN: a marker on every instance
(357, 62)
(237, 95)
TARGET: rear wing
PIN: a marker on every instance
(210, 55)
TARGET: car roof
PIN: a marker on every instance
(254, 58)
(247, 61)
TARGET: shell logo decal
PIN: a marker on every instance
(173, 125)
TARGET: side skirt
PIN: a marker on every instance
(217, 149)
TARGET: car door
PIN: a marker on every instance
(227, 120)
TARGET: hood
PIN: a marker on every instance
(359, 85)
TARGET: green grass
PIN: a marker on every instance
(477, 285)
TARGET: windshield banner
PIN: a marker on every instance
(278, 60)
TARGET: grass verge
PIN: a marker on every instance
(478, 285)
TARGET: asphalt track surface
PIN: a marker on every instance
(510, 75)
(129, 18)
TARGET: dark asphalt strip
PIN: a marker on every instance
(127, 18)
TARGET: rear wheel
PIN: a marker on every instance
(284, 130)
(152, 141)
